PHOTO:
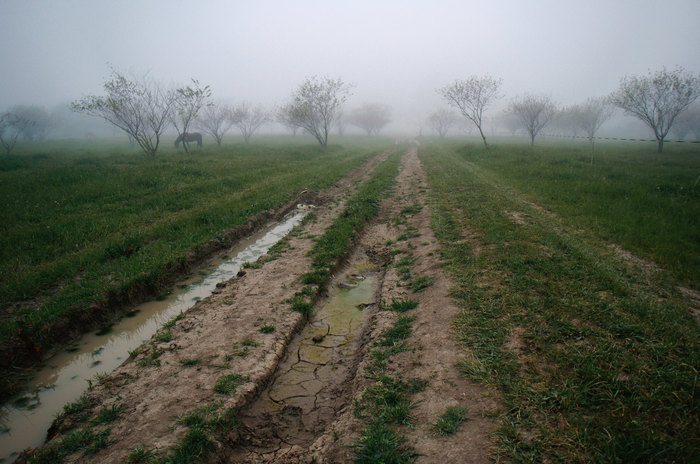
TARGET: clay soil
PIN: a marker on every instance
(221, 336)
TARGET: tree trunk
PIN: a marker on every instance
(661, 145)
(532, 139)
(486, 145)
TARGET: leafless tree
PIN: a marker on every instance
(658, 98)
(441, 121)
(249, 120)
(472, 96)
(189, 101)
(33, 122)
(285, 117)
(9, 130)
(316, 103)
(592, 114)
(370, 117)
(534, 113)
(688, 122)
(141, 108)
(216, 119)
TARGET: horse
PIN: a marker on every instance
(189, 137)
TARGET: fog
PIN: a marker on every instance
(393, 52)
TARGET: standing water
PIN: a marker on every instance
(25, 418)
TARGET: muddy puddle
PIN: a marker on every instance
(25, 418)
(307, 391)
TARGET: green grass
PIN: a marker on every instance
(403, 305)
(450, 420)
(88, 226)
(594, 361)
(228, 384)
(630, 195)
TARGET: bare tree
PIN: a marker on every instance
(657, 99)
(249, 120)
(9, 131)
(370, 117)
(534, 113)
(189, 101)
(285, 117)
(141, 108)
(441, 121)
(33, 122)
(471, 97)
(216, 119)
(316, 103)
(592, 114)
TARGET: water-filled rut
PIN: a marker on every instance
(309, 386)
(25, 419)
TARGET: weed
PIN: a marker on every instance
(107, 415)
(380, 444)
(450, 420)
(141, 455)
(266, 329)
(421, 283)
(164, 336)
(227, 384)
(403, 305)
(190, 361)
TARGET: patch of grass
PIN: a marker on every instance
(86, 440)
(107, 415)
(228, 384)
(141, 455)
(195, 446)
(190, 361)
(164, 336)
(255, 265)
(402, 305)
(266, 329)
(450, 420)
(421, 283)
(395, 336)
(380, 444)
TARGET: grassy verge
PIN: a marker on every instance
(595, 362)
(88, 231)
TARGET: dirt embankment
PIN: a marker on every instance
(228, 348)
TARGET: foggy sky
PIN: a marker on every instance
(394, 52)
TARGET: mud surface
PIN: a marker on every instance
(298, 379)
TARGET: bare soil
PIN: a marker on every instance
(223, 333)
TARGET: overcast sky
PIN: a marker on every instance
(395, 52)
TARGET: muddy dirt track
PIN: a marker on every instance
(293, 383)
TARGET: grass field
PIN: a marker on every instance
(85, 222)
(629, 195)
(594, 360)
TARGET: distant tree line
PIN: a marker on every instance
(662, 100)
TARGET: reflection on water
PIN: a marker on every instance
(25, 419)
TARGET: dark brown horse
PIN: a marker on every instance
(189, 137)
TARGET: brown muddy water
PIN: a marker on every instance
(308, 388)
(25, 418)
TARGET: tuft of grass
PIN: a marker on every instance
(395, 336)
(380, 444)
(107, 415)
(450, 420)
(403, 305)
(266, 329)
(421, 283)
(190, 361)
(228, 384)
(141, 455)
